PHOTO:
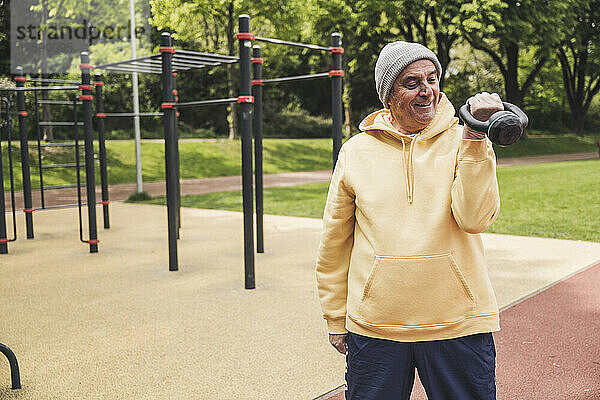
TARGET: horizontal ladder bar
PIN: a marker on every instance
(39, 88)
(207, 102)
(67, 165)
(71, 185)
(44, 80)
(121, 63)
(60, 144)
(210, 55)
(149, 114)
(59, 102)
(285, 42)
(297, 78)
(59, 123)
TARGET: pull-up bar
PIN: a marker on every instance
(295, 44)
(44, 80)
(207, 102)
(125, 114)
(39, 88)
(297, 78)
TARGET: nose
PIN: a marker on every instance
(425, 89)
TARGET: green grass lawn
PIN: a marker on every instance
(555, 200)
(221, 157)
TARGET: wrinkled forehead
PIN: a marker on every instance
(417, 68)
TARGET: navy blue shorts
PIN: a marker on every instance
(454, 369)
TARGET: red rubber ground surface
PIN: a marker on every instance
(549, 345)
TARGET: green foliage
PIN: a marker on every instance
(554, 200)
(504, 29)
(296, 123)
(578, 55)
(507, 46)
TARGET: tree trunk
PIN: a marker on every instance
(511, 79)
(578, 119)
(232, 109)
(443, 44)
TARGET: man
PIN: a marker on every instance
(400, 269)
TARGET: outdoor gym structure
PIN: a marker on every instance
(85, 102)
(169, 61)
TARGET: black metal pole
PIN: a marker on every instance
(336, 74)
(257, 92)
(20, 79)
(78, 169)
(3, 238)
(245, 107)
(176, 97)
(39, 144)
(10, 172)
(90, 178)
(14, 366)
(168, 107)
(99, 85)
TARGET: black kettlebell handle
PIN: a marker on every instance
(483, 126)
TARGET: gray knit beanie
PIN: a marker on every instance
(394, 57)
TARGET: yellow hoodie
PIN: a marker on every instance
(400, 255)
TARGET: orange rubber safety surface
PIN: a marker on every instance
(549, 345)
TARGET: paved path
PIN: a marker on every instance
(118, 325)
(57, 197)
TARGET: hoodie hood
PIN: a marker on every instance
(443, 120)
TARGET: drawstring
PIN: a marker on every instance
(409, 169)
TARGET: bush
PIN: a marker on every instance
(296, 123)
(138, 196)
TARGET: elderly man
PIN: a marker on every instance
(401, 269)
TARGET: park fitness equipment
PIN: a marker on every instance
(14, 366)
(20, 90)
(168, 63)
(502, 128)
(335, 74)
(42, 146)
(4, 240)
(85, 100)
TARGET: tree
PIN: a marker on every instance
(432, 23)
(211, 25)
(504, 29)
(51, 16)
(580, 60)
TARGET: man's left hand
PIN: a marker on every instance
(482, 105)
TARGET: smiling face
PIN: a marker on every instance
(414, 97)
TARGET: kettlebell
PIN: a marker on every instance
(502, 128)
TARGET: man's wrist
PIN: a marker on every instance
(471, 134)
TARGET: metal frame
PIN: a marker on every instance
(172, 61)
(257, 84)
(23, 136)
(85, 101)
(90, 178)
(99, 85)
(14, 366)
(4, 240)
(181, 60)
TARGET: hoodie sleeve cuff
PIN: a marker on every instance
(473, 150)
(337, 326)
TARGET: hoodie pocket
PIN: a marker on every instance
(413, 291)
